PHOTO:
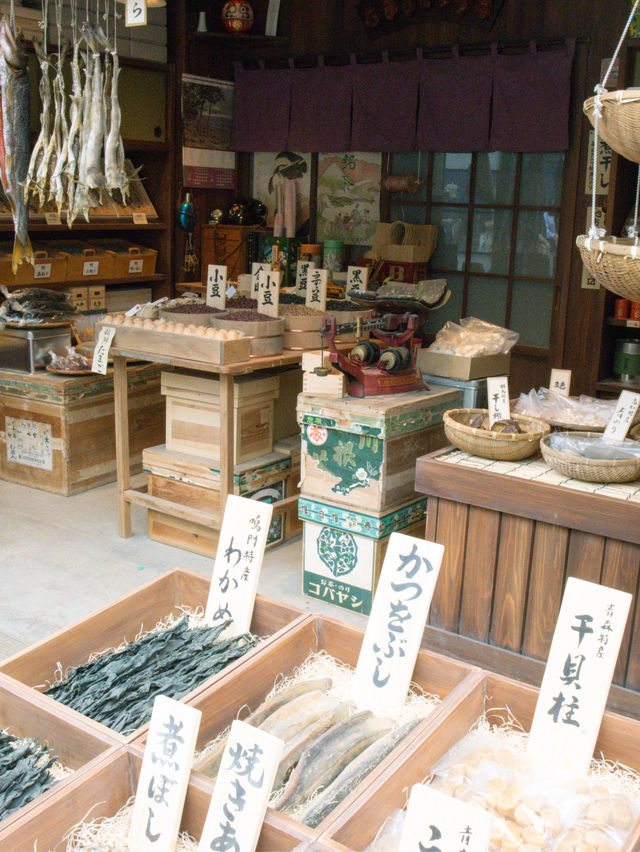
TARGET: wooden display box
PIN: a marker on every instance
(23, 713)
(619, 740)
(190, 481)
(84, 262)
(343, 550)
(102, 790)
(193, 414)
(362, 453)
(123, 620)
(50, 267)
(221, 702)
(164, 344)
(461, 366)
(129, 260)
(58, 432)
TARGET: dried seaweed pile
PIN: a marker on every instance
(118, 688)
(24, 772)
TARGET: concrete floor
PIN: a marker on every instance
(61, 558)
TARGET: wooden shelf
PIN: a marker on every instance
(190, 286)
(157, 277)
(615, 386)
(117, 225)
(242, 41)
(623, 323)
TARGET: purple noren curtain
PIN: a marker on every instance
(321, 108)
(531, 94)
(385, 102)
(455, 103)
(261, 108)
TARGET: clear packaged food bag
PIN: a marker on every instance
(579, 411)
(474, 337)
(594, 448)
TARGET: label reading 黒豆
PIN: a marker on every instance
(498, 398)
(357, 277)
(303, 270)
(216, 286)
(101, 351)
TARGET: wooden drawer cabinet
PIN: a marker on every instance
(225, 244)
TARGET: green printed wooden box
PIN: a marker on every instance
(343, 549)
(362, 453)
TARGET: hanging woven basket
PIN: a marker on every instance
(614, 264)
(619, 123)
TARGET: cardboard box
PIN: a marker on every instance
(463, 367)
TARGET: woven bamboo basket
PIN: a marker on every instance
(493, 445)
(589, 470)
(612, 264)
(619, 124)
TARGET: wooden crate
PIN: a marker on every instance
(129, 260)
(123, 620)
(84, 262)
(165, 344)
(189, 481)
(247, 687)
(362, 453)
(284, 421)
(23, 713)
(292, 447)
(325, 529)
(619, 740)
(50, 267)
(57, 433)
(193, 414)
(102, 790)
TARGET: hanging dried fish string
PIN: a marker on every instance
(81, 199)
(115, 174)
(94, 175)
(35, 173)
(61, 127)
(75, 115)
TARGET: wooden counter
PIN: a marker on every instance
(513, 533)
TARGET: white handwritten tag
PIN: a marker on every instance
(135, 266)
(357, 277)
(317, 289)
(135, 13)
(216, 286)
(269, 292)
(444, 824)
(139, 218)
(578, 674)
(101, 351)
(231, 291)
(633, 323)
(164, 776)
(560, 382)
(52, 219)
(90, 267)
(243, 786)
(303, 270)
(42, 270)
(588, 282)
(396, 624)
(498, 397)
(255, 269)
(238, 563)
(622, 418)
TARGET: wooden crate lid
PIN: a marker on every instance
(292, 446)
(62, 390)
(377, 416)
(244, 387)
(374, 525)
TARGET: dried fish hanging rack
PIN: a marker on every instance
(613, 262)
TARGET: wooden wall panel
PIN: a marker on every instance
(512, 571)
(620, 571)
(633, 668)
(452, 532)
(584, 556)
(483, 528)
(546, 583)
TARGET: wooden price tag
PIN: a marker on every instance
(101, 351)
(317, 289)
(42, 270)
(255, 269)
(216, 286)
(269, 292)
(303, 270)
(90, 267)
(560, 382)
(498, 398)
(622, 418)
(135, 14)
(443, 824)
(238, 562)
(52, 219)
(164, 776)
(396, 624)
(243, 786)
(578, 674)
(357, 278)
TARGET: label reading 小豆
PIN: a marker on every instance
(269, 292)
(216, 286)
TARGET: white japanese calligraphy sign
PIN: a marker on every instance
(498, 398)
(269, 292)
(255, 269)
(216, 286)
(317, 289)
(560, 382)
(357, 277)
(101, 351)
(236, 572)
(622, 417)
(135, 14)
(303, 270)
(164, 776)
(243, 786)
(578, 674)
(396, 624)
(442, 823)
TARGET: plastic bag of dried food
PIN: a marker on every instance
(474, 337)
(388, 838)
(594, 448)
(585, 411)
(604, 823)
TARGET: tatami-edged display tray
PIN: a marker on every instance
(619, 740)
(102, 790)
(123, 620)
(24, 713)
(248, 685)
(168, 344)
